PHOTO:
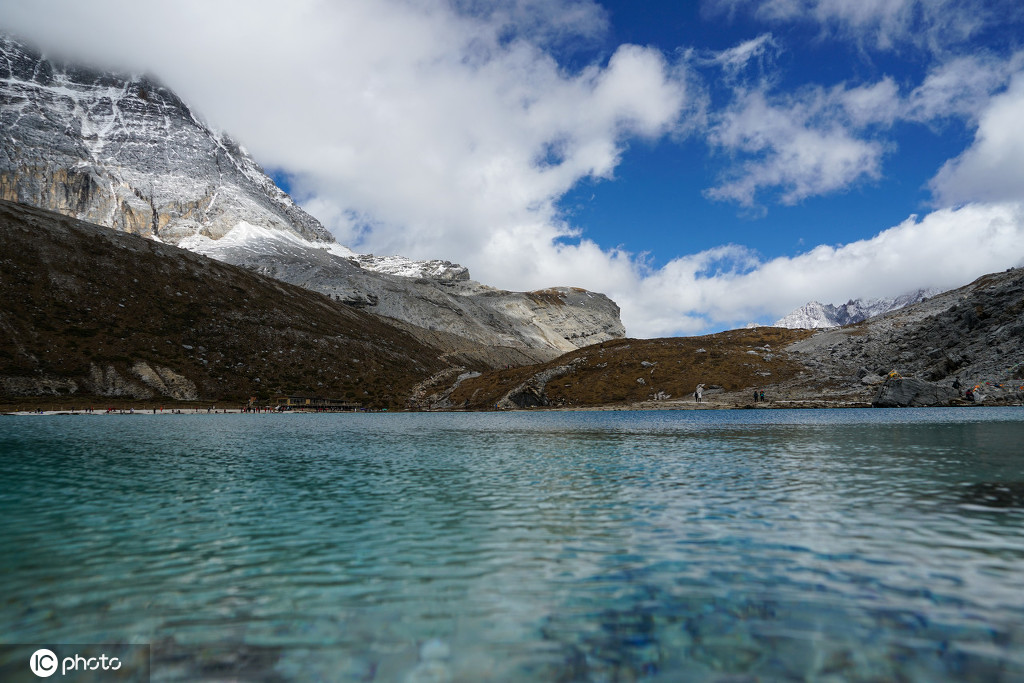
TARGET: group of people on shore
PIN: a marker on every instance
(698, 394)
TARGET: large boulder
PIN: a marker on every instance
(903, 392)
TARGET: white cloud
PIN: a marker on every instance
(960, 87)
(992, 168)
(409, 126)
(945, 249)
(540, 21)
(866, 105)
(735, 59)
(799, 145)
(816, 141)
(933, 25)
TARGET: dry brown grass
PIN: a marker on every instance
(608, 373)
(73, 295)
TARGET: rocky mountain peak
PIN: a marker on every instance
(816, 315)
(125, 151)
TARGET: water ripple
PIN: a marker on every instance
(618, 546)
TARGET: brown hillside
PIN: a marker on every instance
(82, 306)
(610, 373)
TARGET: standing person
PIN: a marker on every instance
(762, 396)
(755, 395)
(699, 393)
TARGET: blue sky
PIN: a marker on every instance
(706, 164)
(656, 203)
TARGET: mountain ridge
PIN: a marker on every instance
(926, 353)
(96, 313)
(92, 314)
(126, 152)
(815, 315)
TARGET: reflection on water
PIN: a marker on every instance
(862, 545)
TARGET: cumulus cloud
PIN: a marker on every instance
(992, 168)
(960, 87)
(796, 145)
(540, 21)
(869, 104)
(821, 140)
(425, 127)
(730, 286)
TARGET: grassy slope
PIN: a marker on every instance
(607, 373)
(74, 295)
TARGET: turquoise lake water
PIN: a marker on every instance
(594, 546)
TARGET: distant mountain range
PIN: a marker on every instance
(815, 315)
(127, 153)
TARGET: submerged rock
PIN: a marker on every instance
(997, 494)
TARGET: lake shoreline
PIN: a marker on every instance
(647, 406)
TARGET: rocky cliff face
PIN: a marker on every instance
(815, 315)
(551, 321)
(965, 338)
(127, 153)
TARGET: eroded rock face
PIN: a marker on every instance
(165, 381)
(555, 320)
(143, 382)
(969, 337)
(37, 386)
(531, 393)
(125, 152)
(107, 381)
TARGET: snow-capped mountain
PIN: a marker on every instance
(815, 315)
(125, 152)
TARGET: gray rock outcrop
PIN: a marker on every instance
(165, 381)
(968, 337)
(126, 152)
(532, 393)
(903, 392)
(551, 321)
